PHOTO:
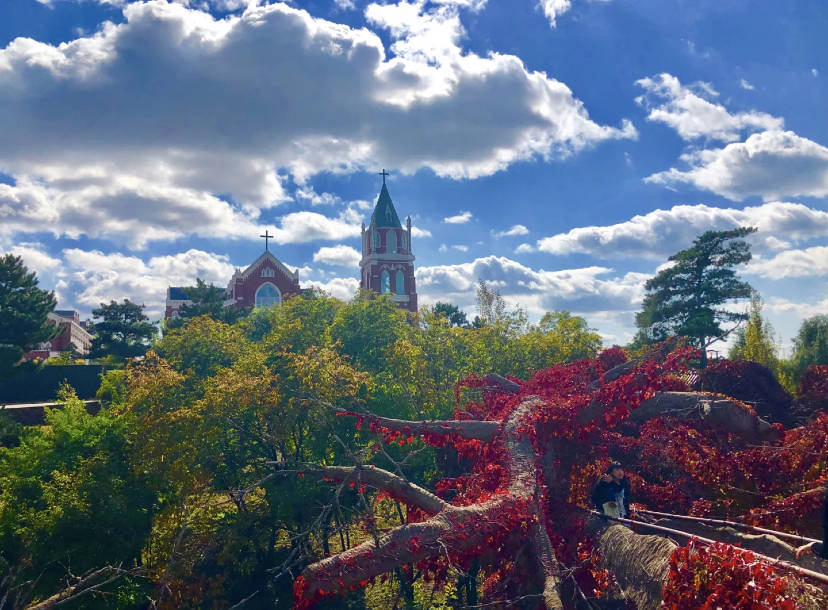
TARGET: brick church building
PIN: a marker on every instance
(265, 282)
(387, 267)
(387, 264)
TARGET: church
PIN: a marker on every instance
(386, 267)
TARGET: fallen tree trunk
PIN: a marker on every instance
(452, 528)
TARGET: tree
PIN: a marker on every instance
(810, 348)
(534, 452)
(123, 331)
(755, 342)
(23, 312)
(206, 300)
(490, 304)
(452, 313)
(686, 298)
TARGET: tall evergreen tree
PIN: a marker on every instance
(122, 332)
(687, 297)
(23, 312)
(810, 348)
(206, 300)
(454, 315)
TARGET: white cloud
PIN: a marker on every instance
(808, 262)
(461, 247)
(773, 164)
(798, 309)
(524, 248)
(661, 233)
(814, 72)
(515, 230)
(304, 226)
(35, 258)
(418, 232)
(553, 9)
(459, 219)
(342, 288)
(746, 85)
(94, 277)
(343, 256)
(693, 116)
(442, 248)
(208, 140)
(580, 290)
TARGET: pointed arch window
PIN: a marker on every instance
(399, 283)
(385, 282)
(268, 295)
(391, 238)
(402, 240)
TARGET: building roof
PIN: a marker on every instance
(66, 313)
(177, 293)
(384, 213)
(267, 255)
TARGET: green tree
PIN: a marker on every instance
(69, 502)
(454, 315)
(756, 341)
(122, 331)
(490, 304)
(23, 312)
(810, 348)
(687, 297)
(206, 300)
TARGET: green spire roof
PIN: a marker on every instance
(384, 213)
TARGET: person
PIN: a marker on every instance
(820, 549)
(612, 493)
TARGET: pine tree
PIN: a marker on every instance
(206, 300)
(23, 312)
(686, 298)
(123, 331)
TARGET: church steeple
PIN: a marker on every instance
(387, 264)
(384, 213)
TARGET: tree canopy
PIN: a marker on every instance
(206, 300)
(122, 331)
(686, 298)
(23, 312)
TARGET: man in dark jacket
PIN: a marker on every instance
(612, 493)
(820, 549)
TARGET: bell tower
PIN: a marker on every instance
(387, 264)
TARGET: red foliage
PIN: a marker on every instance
(682, 466)
(723, 576)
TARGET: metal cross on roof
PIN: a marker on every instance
(383, 173)
(266, 237)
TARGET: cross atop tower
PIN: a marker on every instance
(266, 237)
(383, 173)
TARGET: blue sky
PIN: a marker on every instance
(559, 149)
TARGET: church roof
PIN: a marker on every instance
(384, 213)
(276, 262)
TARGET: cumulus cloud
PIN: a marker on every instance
(204, 144)
(458, 219)
(589, 289)
(799, 309)
(746, 85)
(342, 256)
(342, 288)
(553, 9)
(808, 262)
(35, 258)
(524, 248)
(688, 112)
(94, 277)
(515, 230)
(660, 233)
(772, 164)
(418, 232)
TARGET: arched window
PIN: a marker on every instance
(391, 240)
(402, 240)
(399, 284)
(268, 295)
(385, 282)
(268, 272)
(375, 246)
